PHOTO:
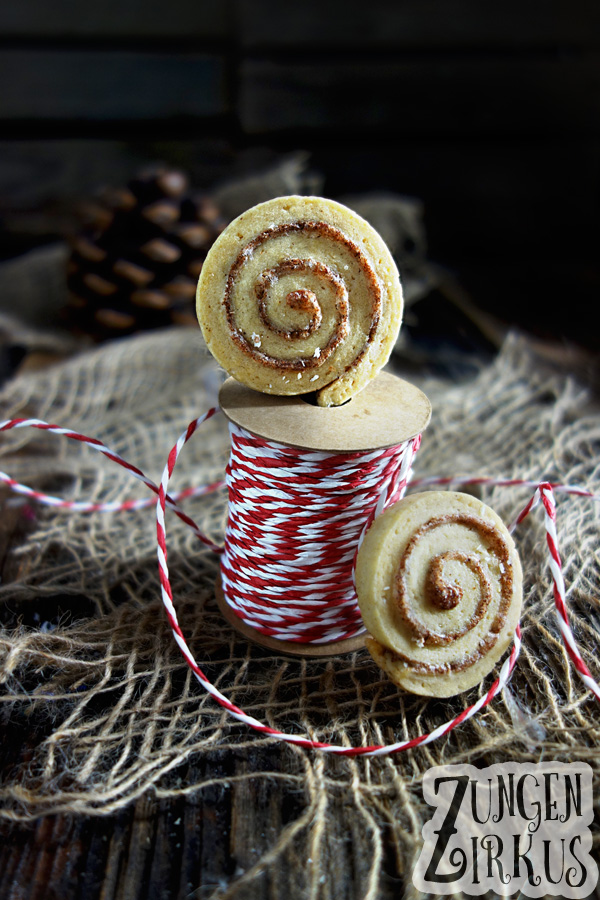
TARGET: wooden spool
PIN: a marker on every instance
(387, 412)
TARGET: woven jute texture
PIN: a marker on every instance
(87, 654)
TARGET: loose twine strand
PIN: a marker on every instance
(543, 493)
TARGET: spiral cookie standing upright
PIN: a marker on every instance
(300, 294)
(439, 587)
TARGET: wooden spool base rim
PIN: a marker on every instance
(287, 648)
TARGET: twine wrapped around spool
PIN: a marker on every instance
(298, 504)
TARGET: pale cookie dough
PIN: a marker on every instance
(299, 294)
(439, 586)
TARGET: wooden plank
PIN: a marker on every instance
(252, 836)
(451, 96)
(192, 846)
(138, 18)
(483, 199)
(94, 838)
(419, 23)
(136, 855)
(99, 85)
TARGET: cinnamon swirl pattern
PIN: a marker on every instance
(439, 587)
(300, 295)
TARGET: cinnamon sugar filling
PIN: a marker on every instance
(446, 595)
(303, 298)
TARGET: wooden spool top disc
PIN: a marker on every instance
(387, 412)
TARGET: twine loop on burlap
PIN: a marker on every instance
(388, 483)
(115, 711)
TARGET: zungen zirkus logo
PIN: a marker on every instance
(512, 827)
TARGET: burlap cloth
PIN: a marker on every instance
(95, 672)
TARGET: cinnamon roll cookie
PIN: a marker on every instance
(299, 294)
(439, 586)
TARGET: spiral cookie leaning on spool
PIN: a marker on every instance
(439, 587)
(300, 294)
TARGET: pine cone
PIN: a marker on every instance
(136, 263)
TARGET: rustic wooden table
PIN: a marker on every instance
(247, 833)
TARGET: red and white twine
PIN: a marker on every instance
(297, 472)
(123, 506)
(295, 520)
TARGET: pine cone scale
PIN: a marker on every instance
(136, 263)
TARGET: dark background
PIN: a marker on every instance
(488, 112)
